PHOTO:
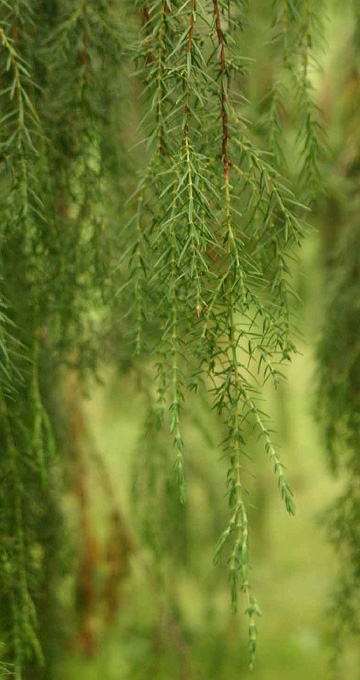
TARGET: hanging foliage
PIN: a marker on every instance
(338, 356)
(214, 232)
(199, 278)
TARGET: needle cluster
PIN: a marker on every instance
(215, 230)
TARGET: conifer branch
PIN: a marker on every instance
(203, 280)
(23, 608)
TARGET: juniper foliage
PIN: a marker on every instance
(54, 261)
(215, 230)
(202, 271)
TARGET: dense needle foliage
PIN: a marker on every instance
(215, 228)
(187, 284)
(54, 261)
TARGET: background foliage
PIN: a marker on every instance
(158, 163)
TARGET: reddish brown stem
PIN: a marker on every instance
(145, 25)
(225, 137)
(162, 142)
(191, 33)
(145, 15)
